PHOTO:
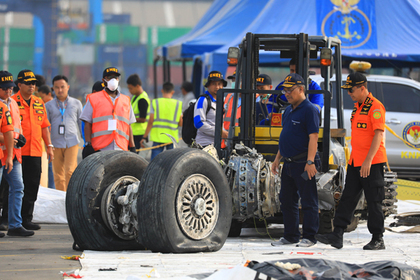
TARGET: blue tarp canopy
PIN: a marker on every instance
(224, 20)
(368, 29)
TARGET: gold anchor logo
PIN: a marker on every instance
(356, 29)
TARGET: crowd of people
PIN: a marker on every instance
(111, 120)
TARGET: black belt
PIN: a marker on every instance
(295, 158)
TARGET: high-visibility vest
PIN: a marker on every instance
(17, 130)
(104, 112)
(228, 113)
(33, 119)
(167, 113)
(139, 128)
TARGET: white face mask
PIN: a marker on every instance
(112, 84)
(233, 85)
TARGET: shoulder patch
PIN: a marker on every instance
(8, 118)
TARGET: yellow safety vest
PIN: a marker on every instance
(167, 113)
(139, 128)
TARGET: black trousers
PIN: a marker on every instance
(137, 140)
(373, 186)
(31, 169)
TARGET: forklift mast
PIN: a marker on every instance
(302, 48)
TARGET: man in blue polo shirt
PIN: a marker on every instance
(298, 146)
(316, 99)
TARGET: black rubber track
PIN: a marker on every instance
(84, 194)
(158, 226)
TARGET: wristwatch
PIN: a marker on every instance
(309, 162)
(88, 144)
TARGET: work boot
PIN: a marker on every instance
(334, 239)
(1, 234)
(31, 226)
(375, 244)
(21, 231)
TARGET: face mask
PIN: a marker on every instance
(112, 84)
(233, 85)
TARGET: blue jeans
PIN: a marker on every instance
(157, 151)
(51, 184)
(15, 180)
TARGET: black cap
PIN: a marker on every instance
(263, 79)
(98, 86)
(6, 80)
(215, 76)
(292, 80)
(233, 76)
(26, 76)
(110, 70)
(354, 79)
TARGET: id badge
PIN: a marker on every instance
(112, 124)
(61, 129)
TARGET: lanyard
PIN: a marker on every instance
(62, 110)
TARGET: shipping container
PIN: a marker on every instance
(117, 34)
(25, 36)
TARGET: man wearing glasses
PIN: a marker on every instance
(365, 170)
(298, 147)
(108, 115)
(33, 116)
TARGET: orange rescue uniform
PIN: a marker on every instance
(365, 119)
(17, 130)
(104, 112)
(6, 122)
(33, 118)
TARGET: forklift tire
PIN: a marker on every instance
(235, 229)
(84, 196)
(188, 202)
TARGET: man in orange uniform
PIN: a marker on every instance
(107, 116)
(33, 116)
(12, 204)
(365, 171)
(6, 129)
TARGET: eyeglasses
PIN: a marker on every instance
(284, 91)
(6, 88)
(31, 83)
(351, 90)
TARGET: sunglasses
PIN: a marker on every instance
(6, 88)
(351, 90)
(31, 83)
(284, 91)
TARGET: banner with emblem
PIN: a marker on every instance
(351, 21)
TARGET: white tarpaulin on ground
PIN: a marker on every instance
(50, 207)
(400, 247)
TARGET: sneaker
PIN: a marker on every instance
(375, 244)
(30, 226)
(21, 231)
(332, 238)
(305, 243)
(282, 241)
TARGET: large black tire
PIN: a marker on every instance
(84, 196)
(176, 186)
